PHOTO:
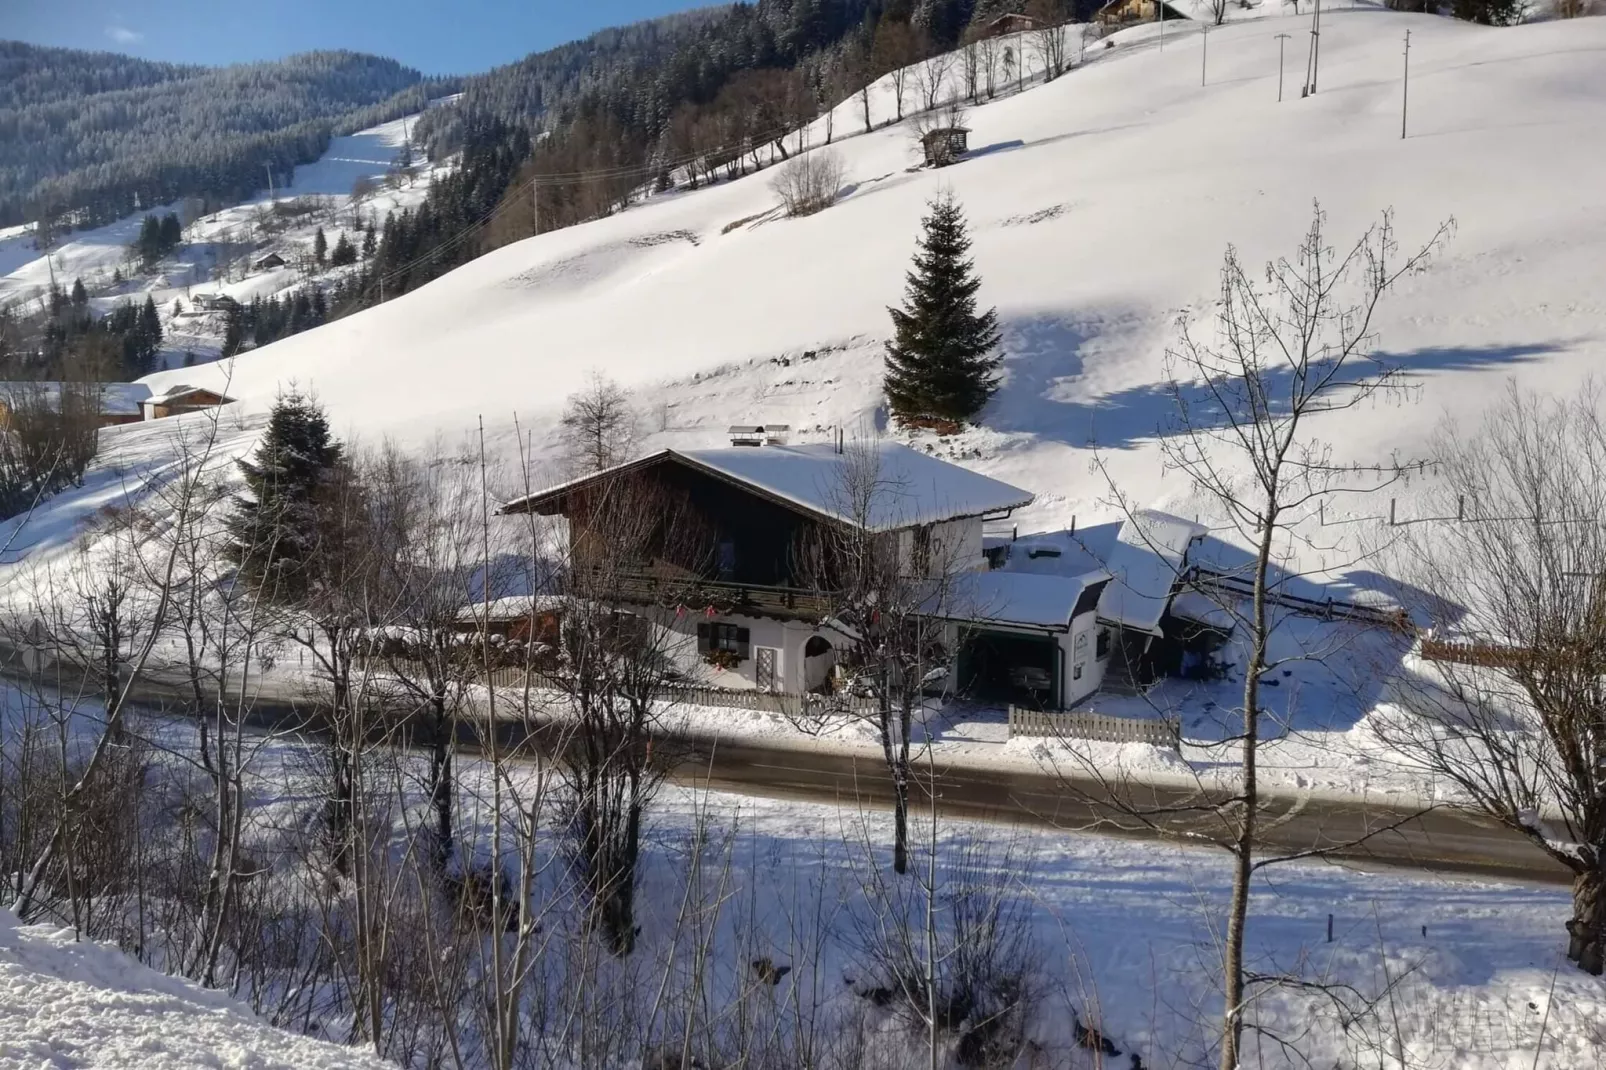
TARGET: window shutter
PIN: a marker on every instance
(702, 638)
(743, 644)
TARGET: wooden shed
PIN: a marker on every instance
(1008, 23)
(945, 144)
(182, 399)
(1121, 12)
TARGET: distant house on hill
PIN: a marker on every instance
(1120, 12)
(214, 303)
(118, 403)
(177, 400)
(1007, 24)
(272, 260)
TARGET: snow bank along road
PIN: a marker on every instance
(1443, 839)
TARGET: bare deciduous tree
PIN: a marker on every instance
(809, 182)
(598, 425)
(1513, 718)
(1050, 36)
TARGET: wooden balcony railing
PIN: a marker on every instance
(647, 588)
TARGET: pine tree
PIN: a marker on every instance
(273, 532)
(320, 247)
(233, 331)
(171, 233)
(941, 364)
(344, 252)
(80, 296)
(368, 242)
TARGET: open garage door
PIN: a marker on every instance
(1005, 668)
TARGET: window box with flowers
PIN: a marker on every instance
(724, 646)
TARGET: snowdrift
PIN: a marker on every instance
(67, 1003)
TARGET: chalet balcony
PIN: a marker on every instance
(726, 596)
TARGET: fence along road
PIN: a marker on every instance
(1441, 840)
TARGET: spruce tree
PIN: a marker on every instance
(941, 363)
(320, 247)
(80, 296)
(273, 532)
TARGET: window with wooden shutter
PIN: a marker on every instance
(703, 645)
(744, 644)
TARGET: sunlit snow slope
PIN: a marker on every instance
(1101, 206)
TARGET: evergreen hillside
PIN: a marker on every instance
(89, 137)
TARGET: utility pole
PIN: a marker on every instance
(1159, 13)
(268, 167)
(1282, 40)
(1204, 54)
(1316, 48)
(535, 206)
(1405, 91)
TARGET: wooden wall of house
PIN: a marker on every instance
(759, 537)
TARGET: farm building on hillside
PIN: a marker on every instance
(1041, 622)
(113, 403)
(748, 614)
(214, 303)
(177, 400)
(1006, 24)
(1121, 12)
(272, 260)
(945, 145)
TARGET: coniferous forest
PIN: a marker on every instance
(89, 137)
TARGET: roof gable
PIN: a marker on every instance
(913, 488)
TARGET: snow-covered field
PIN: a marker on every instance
(1121, 935)
(1101, 206)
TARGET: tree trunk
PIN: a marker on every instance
(1243, 847)
(440, 781)
(1587, 927)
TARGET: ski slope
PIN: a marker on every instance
(1101, 205)
(218, 245)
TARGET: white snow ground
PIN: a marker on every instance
(69, 1003)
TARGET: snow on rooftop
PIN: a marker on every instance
(1149, 555)
(1018, 598)
(65, 1002)
(912, 487)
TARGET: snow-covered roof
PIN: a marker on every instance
(1017, 598)
(511, 607)
(116, 399)
(1149, 555)
(912, 487)
(179, 392)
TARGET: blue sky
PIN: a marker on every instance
(436, 36)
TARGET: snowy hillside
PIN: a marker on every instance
(219, 248)
(1101, 206)
(69, 1003)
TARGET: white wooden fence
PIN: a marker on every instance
(1103, 727)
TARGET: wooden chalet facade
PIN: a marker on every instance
(723, 564)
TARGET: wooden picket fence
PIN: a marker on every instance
(1488, 655)
(1101, 727)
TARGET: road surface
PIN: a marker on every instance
(1441, 840)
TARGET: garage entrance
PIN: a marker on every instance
(1005, 668)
